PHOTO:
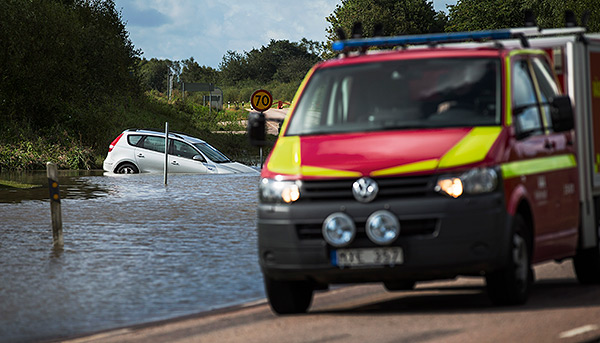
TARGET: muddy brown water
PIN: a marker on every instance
(135, 251)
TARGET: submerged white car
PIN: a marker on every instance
(143, 151)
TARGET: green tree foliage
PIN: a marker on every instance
(58, 58)
(551, 13)
(193, 72)
(281, 60)
(154, 73)
(469, 15)
(397, 17)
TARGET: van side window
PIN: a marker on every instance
(547, 85)
(525, 105)
(154, 143)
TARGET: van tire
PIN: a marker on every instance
(403, 285)
(587, 266)
(127, 168)
(587, 261)
(288, 297)
(511, 284)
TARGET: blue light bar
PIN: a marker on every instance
(421, 39)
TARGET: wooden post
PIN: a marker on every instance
(55, 211)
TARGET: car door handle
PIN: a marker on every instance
(549, 145)
(175, 163)
(141, 155)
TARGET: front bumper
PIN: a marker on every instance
(441, 238)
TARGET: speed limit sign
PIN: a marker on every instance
(261, 100)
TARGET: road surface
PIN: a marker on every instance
(559, 310)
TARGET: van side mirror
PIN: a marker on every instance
(562, 114)
(256, 129)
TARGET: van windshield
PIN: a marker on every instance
(403, 94)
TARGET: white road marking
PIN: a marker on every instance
(578, 331)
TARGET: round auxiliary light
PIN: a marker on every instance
(382, 227)
(339, 229)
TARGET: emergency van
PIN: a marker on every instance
(427, 157)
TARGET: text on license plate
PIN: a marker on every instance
(367, 257)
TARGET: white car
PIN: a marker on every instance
(143, 151)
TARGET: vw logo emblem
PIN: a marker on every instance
(365, 189)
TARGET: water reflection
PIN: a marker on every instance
(135, 251)
(74, 184)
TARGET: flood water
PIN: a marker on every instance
(135, 251)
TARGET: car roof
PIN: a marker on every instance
(172, 134)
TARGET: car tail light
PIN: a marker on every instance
(112, 145)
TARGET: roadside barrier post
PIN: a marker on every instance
(55, 211)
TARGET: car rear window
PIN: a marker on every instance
(134, 139)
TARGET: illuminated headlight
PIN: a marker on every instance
(339, 229)
(474, 181)
(274, 191)
(382, 227)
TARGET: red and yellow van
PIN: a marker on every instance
(422, 163)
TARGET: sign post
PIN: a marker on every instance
(261, 100)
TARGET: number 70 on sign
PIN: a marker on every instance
(261, 100)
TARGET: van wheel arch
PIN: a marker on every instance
(524, 211)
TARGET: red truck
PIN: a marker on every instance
(427, 157)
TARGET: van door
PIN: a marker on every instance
(563, 192)
(531, 150)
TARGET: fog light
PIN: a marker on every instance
(382, 227)
(339, 229)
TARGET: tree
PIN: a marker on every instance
(193, 72)
(551, 13)
(397, 17)
(58, 58)
(154, 73)
(469, 15)
(288, 60)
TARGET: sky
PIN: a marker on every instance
(207, 29)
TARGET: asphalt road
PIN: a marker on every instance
(559, 310)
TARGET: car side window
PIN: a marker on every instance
(154, 143)
(182, 149)
(134, 139)
(547, 85)
(525, 107)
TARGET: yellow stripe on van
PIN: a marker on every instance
(426, 165)
(538, 165)
(472, 148)
(318, 171)
(285, 157)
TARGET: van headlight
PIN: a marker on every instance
(275, 191)
(474, 181)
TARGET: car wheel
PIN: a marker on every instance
(127, 168)
(510, 285)
(403, 285)
(288, 297)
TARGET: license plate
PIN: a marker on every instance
(367, 257)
